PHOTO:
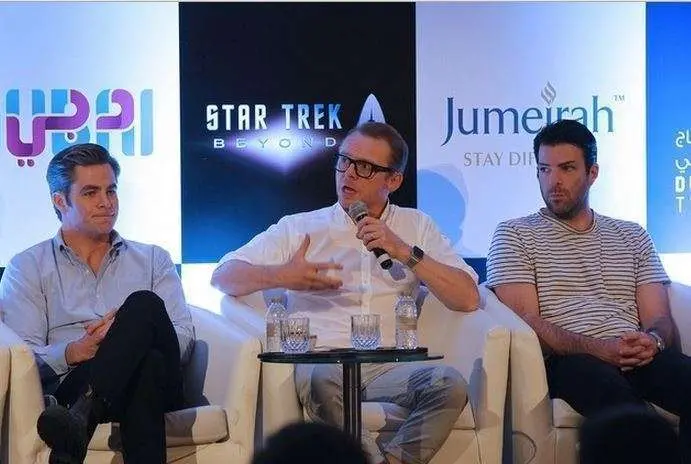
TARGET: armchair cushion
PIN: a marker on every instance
(564, 415)
(191, 426)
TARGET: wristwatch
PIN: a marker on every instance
(659, 341)
(415, 257)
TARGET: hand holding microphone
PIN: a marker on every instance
(375, 234)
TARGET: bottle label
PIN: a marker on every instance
(406, 322)
(271, 330)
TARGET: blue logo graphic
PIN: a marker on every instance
(114, 112)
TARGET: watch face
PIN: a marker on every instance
(415, 257)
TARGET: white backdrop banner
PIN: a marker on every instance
(490, 75)
(105, 73)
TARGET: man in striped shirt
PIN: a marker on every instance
(592, 288)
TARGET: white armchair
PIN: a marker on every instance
(545, 431)
(471, 342)
(4, 381)
(220, 382)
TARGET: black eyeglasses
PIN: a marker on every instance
(363, 168)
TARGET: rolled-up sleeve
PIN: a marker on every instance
(24, 310)
(167, 285)
(272, 247)
(439, 248)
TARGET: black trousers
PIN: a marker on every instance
(137, 374)
(590, 385)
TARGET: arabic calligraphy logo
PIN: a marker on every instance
(67, 121)
(682, 167)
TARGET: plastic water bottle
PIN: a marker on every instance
(406, 322)
(274, 315)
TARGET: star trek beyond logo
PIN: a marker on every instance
(283, 134)
(464, 122)
(70, 117)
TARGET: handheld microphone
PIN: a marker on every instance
(357, 211)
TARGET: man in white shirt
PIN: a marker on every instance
(324, 260)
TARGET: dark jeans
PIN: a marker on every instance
(137, 374)
(590, 385)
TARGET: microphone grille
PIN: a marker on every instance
(357, 210)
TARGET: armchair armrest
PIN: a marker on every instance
(529, 401)
(279, 404)
(680, 305)
(224, 370)
(7, 338)
(24, 403)
(478, 348)
(5, 341)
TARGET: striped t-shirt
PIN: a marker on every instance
(586, 280)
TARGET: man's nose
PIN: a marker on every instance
(554, 178)
(105, 200)
(350, 171)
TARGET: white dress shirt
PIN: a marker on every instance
(367, 288)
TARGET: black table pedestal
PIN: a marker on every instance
(352, 400)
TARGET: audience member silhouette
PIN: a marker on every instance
(310, 443)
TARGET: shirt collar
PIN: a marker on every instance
(117, 244)
(593, 225)
(342, 218)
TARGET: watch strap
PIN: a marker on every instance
(416, 256)
(659, 341)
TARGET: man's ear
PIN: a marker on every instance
(59, 201)
(394, 181)
(592, 173)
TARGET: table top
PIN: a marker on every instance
(350, 355)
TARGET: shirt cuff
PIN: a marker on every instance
(54, 356)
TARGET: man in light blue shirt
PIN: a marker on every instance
(105, 317)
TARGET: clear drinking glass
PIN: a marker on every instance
(295, 334)
(365, 332)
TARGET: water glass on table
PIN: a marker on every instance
(295, 334)
(365, 331)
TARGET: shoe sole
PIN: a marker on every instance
(63, 434)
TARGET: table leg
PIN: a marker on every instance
(352, 400)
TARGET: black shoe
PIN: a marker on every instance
(68, 431)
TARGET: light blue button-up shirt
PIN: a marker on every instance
(48, 295)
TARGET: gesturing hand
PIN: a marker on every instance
(300, 274)
(101, 326)
(86, 347)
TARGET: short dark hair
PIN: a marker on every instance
(310, 443)
(628, 433)
(60, 174)
(381, 130)
(571, 132)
